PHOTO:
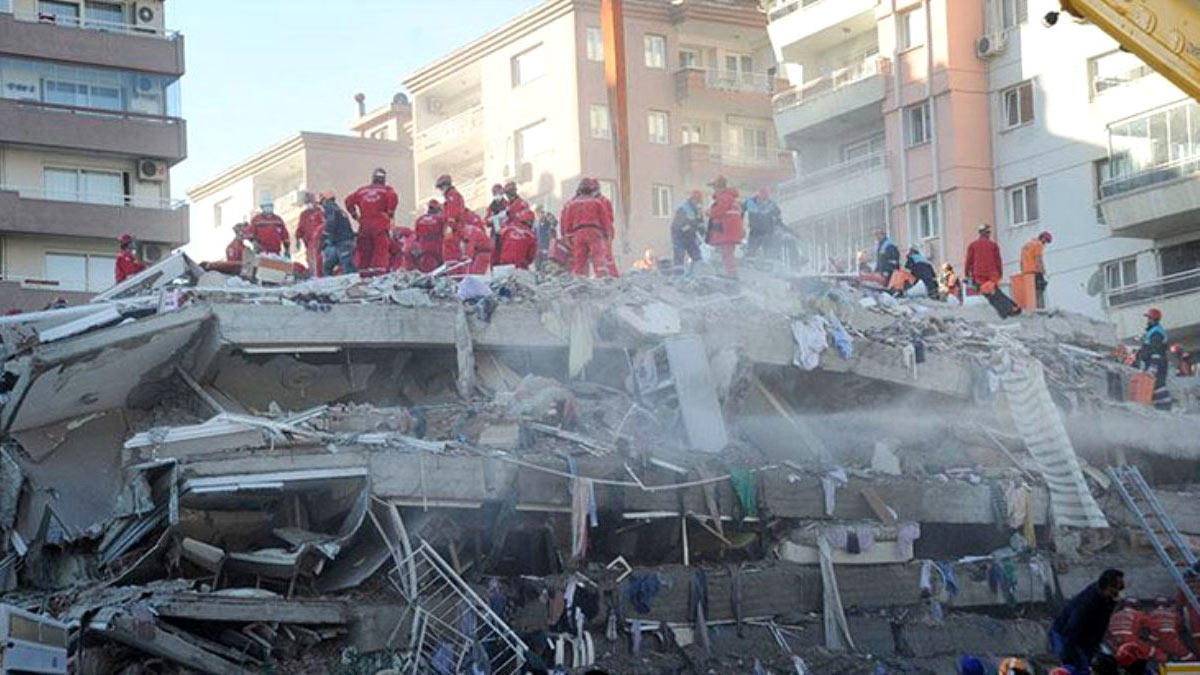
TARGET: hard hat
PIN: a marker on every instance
(1130, 653)
(1061, 671)
(1014, 666)
(126, 238)
(328, 194)
(379, 172)
(984, 227)
(497, 189)
(444, 180)
(1154, 314)
(510, 186)
(719, 182)
(435, 205)
(1176, 348)
(1046, 237)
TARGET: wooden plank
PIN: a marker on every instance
(208, 607)
(877, 505)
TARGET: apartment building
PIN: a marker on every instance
(306, 161)
(929, 117)
(89, 129)
(527, 102)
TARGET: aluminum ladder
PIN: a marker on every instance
(1177, 554)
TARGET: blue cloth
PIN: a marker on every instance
(841, 339)
(951, 581)
(969, 665)
(1156, 329)
(917, 257)
(641, 589)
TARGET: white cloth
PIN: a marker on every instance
(837, 630)
(810, 341)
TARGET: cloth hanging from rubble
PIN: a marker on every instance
(841, 338)
(984, 382)
(582, 340)
(811, 341)
(745, 486)
(837, 630)
(640, 589)
(698, 604)
(906, 534)
(830, 482)
(1040, 426)
(1017, 504)
(583, 510)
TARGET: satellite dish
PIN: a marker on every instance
(1095, 283)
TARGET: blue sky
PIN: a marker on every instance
(261, 70)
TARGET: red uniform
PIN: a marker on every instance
(427, 241)
(1193, 619)
(983, 262)
(727, 216)
(518, 246)
(310, 230)
(478, 245)
(1165, 623)
(519, 213)
(127, 265)
(269, 232)
(236, 250)
(400, 249)
(586, 221)
(610, 235)
(1128, 625)
(373, 206)
(454, 209)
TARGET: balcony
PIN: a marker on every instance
(1155, 203)
(856, 87)
(711, 86)
(1177, 295)
(102, 43)
(701, 162)
(111, 131)
(457, 131)
(835, 186)
(34, 210)
(793, 21)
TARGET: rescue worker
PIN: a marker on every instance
(949, 285)
(1187, 361)
(1014, 666)
(1128, 624)
(1165, 624)
(586, 221)
(921, 268)
(1134, 658)
(1078, 630)
(517, 210)
(610, 232)
(127, 264)
(725, 229)
(427, 235)
(1153, 354)
(310, 230)
(685, 230)
(497, 208)
(400, 248)
(547, 230)
(268, 231)
(454, 208)
(518, 245)
(236, 250)
(337, 252)
(887, 256)
(373, 206)
(764, 218)
(517, 214)
(1033, 263)
(646, 263)
(983, 259)
(477, 244)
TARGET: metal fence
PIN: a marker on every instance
(1167, 286)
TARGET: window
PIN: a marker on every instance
(532, 141)
(1023, 204)
(660, 201)
(1018, 105)
(219, 213)
(691, 132)
(910, 29)
(1120, 274)
(73, 272)
(690, 58)
(656, 51)
(1013, 12)
(78, 185)
(659, 127)
(598, 121)
(528, 66)
(105, 14)
(925, 217)
(87, 86)
(864, 148)
(1179, 258)
(918, 125)
(1167, 136)
(747, 142)
(5, 5)
(595, 44)
(58, 12)
(1114, 69)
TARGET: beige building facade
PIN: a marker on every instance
(528, 103)
(89, 128)
(307, 161)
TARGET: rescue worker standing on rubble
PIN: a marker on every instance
(1186, 366)
(922, 269)
(949, 284)
(685, 231)
(268, 231)
(1153, 354)
(887, 256)
(610, 232)
(764, 220)
(337, 251)
(547, 230)
(725, 229)
(236, 250)
(454, 213)
(1032, 263)
(477, 244)
(1128, 624)
(586, 222)
(517, 242)
(127, 263)
(983, 259)
(373, 206)
(1165, 624)
(427, 235)
(1078, 630)
(310, 230)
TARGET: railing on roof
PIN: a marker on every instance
(722, 79)
(1153, 175)
(1171, 285)
(85, 23)
(828, 83)
(94, 112)
(98, 199)
(782, 8)
(456, 126)
(747, 155)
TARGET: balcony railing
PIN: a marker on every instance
(1154, 175)
(456, 126)
(1168, 286)
(99, 199)
(835, 172)
(829, 83)
(84, 23)
(735, 80)
(782, 8)
(748, 155)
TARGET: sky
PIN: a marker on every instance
(259, 71)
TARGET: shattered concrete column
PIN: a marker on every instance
(465, 349)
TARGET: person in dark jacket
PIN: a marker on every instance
(685, 230)
(922, 269)
(338, 247)
(764, 218)
(887, 256)
(1076, 634)
(1153, 355)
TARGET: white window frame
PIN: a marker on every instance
(658, 136)
(690, 57)
(599, 122)
(1015, 102)
(536, 55)
(1013, 13)
(1136, 71)
(660, 200)
(910, 29)
(1120, 270)
(594, 44)
(691, 133)
(1022, 210)
(105, 278)
(520, 151)
(918, 118)
(654, 48)
(80, 193)
(926, 219)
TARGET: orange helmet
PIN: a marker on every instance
(1154, 314)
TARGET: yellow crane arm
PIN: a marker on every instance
(1164, 33)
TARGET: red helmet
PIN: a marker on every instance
(510, 187)
(328, 194)
(497, 189)
(443, 181)
(1046, 237)
(1130, 653)
(434, 205)
(1154, 314)
(126, 239)
(1176, 348)
(587, 185)
(1060, 671)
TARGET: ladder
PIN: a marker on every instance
(1176, 554)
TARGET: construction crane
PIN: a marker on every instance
(1164, 33)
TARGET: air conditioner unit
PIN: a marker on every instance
(152, 252)
(143, 84)
(435, 105)
(989, 45)
(143, 17)
(151, 170)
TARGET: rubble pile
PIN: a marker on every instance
(416, 473)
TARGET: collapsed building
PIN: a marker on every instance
(650, 474)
